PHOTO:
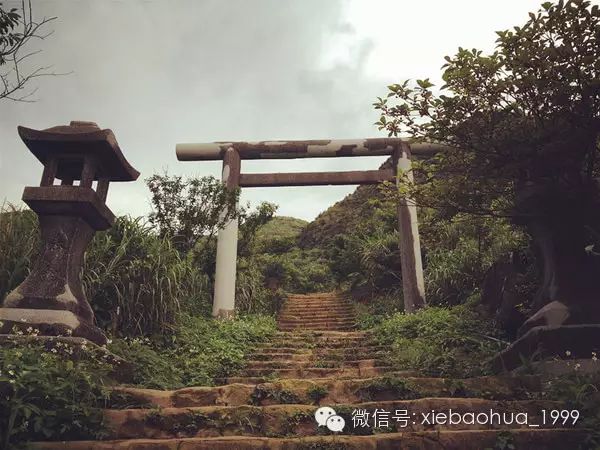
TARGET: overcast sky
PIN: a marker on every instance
(162, 72)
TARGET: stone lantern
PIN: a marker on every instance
(51, 298)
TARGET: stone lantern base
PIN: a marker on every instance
(49, 322)
(51, 299)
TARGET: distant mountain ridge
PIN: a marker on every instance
(343, 216)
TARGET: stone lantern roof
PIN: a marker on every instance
(75, 140)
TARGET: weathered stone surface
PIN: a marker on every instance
(580, 341)
(74, 139)
(554, 314)
(558, 439)
(339, 391)
(250, 416)
(51, 298)
(49, 322)
(55, 284)
(70, 202)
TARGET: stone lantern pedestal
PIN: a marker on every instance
(51, 298)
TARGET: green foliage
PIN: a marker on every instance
(298, 270)
(9, 20)
(526, 115)
(386, 388)
(187, 210)
(321, 445)
(317, 393)
(47, 396)
(17, 28)
(263, 393)
(439, 341)
(187, 424)
(252, 295)
(137, 281)
(279, 235)
(581, 392)
(200, 350)
(250, 223)
(460, 250)
(504, 441)
(19, 241)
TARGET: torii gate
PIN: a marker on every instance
(233, 152)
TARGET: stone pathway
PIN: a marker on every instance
(316, 359)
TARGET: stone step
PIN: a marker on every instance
(272, 379)
(319, 372)
(341, 309)
(297, 346)
(316, 327)
(313, 362)
(334, 391)
(313, 319)
(326, 334)
(547, 439)
(318, 302)
(342, 354)
(323, 335)
(331, 311)
(320, 307)
(316, 315)
(307, 339)
(298, 420)
(317, 295)
(279, 356)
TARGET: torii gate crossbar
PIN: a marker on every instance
(232, 153)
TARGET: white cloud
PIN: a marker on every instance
(158, 73)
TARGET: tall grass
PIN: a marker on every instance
(137, 281)
(19, 242)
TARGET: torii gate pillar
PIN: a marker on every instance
(227, 240)
(413, 286)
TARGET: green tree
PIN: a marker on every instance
(523, 124)
(17, 29)
(189, 210)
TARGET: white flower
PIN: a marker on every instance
(577, 366)
(568, 353)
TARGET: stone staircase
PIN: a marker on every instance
(324, 312)
(272, 404)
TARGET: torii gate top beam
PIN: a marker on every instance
(302, 149)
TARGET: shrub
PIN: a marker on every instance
(460, 250)
(46, 396)
(252, 295)
(298, 270)
(440, 341)
(201, 350)
(317, 393)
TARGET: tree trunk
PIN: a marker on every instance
(558, 222)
